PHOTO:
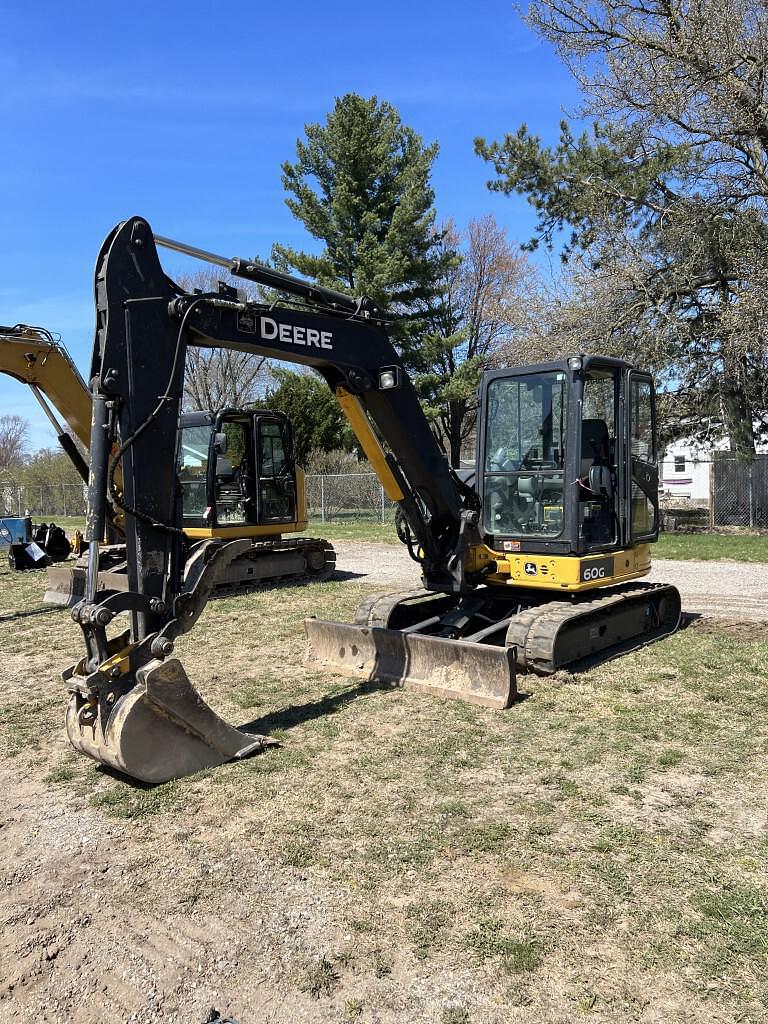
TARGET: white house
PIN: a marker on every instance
(684, 471)
(686, 466)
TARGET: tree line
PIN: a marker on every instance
(656, 213)
(21, 466)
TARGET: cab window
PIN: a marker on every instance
(525, 455)
(277, 493)
(193, 470)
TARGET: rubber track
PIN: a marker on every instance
(534, 631)
(377, 609)
(267, 547)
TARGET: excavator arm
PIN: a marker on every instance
(144, 325)
(132, 705)
(34, 357)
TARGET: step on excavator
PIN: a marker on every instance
(235, 471)
(532, 564)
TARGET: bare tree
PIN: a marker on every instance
(222, 378)
(478, 316)
(14, 440)
(690, 71)
(666, 197)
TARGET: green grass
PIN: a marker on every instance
(371, 530)
(712, 547)
(70, 523)
(488, 941)
(455, 1015)
(320, 978)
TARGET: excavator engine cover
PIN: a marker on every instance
(161, 729)
(477, 673)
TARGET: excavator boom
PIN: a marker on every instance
(144, 324)
(34, 357)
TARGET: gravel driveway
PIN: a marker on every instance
(723, 590)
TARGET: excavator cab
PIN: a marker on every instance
(236, 470)
(568, 458)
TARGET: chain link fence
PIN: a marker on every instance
(729, 492)
(43, 501)
(738, 497)
(739, 491)
(331, 497)
(341, 497)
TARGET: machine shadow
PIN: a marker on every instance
(112, 773)
(688, 618)
(31, 611)
(288, 718)
(266, 586)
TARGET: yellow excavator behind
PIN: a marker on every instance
(33, 356)
(235, 469)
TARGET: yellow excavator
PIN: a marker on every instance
(33, 356)
(531, 565)
(235, 475)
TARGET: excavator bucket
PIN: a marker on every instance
(477, 673)
(161, 729)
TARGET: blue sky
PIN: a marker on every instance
(183, 113)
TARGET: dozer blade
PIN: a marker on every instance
(161, 729)
(478, 673)
(66, 584)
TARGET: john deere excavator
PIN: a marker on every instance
(526, 567)
(235, 470)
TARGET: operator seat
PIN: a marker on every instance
(595, 444)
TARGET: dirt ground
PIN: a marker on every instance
(598, 852)
(725, 590)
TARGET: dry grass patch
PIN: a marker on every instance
(598, 849)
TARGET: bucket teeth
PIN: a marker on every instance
(478, 673)
(161, 729)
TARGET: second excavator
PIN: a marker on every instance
(235, 469)
(532, 565)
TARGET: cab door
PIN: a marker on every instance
(231, 469)
(277, 476)
(642, 460)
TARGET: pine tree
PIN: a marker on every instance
(361, 185)
(317, 421)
